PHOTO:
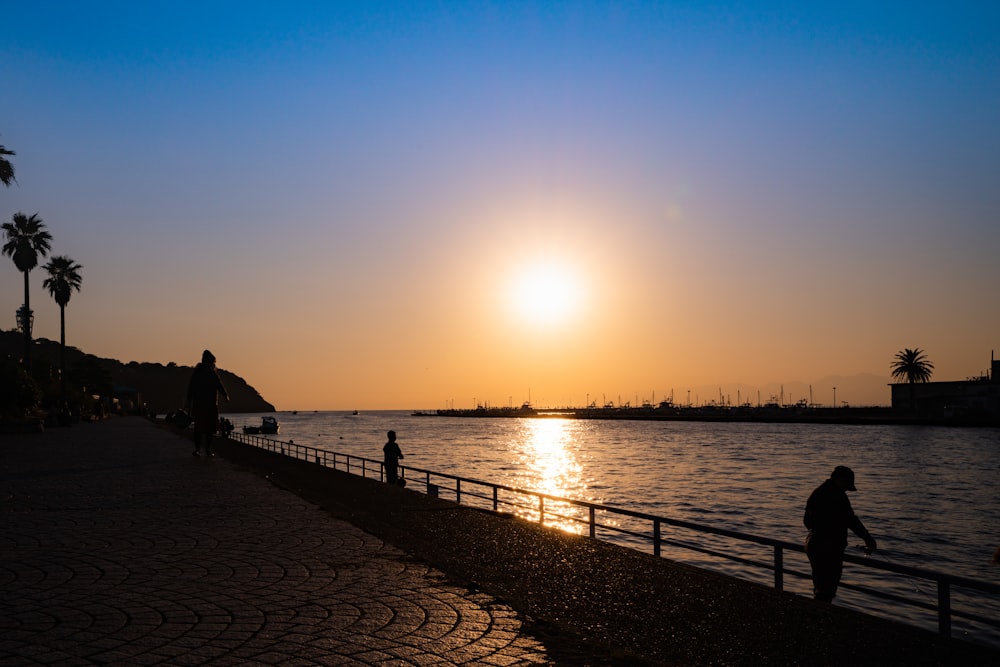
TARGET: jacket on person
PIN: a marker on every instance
(204, 387)
(829, 515)
(392, 452)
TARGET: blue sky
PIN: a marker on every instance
(745, 193)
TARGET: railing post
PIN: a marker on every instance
(428, 481)
(944, 608)
(779, 568)
(656, 537)
(496, 504)
(541, 510)
(593, 524)
(458, 491)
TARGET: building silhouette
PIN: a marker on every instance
(971, 399)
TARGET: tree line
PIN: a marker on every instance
(27, 241)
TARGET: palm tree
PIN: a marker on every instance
(64, 277)
(27, 239)
(6, 168)
(912, 366)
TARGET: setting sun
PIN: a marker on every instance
(544, 295)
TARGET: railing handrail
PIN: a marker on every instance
(956, 580)
(944, 580)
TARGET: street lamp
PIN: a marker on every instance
(25, 319)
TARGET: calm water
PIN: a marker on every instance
(928, 494)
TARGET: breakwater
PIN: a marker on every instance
(788, 414)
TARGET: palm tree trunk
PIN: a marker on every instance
(62, 352)
(27, 327)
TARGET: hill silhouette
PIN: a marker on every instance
(161, 387)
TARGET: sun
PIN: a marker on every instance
(546, 294)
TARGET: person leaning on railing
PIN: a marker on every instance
(392, 455)
(828, 516)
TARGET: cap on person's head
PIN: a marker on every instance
(207, 357)
(846, 474)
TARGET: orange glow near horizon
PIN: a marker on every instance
(421, 207)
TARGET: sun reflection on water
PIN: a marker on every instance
(549, 460)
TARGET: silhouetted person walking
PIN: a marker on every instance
(392, 455)
(203, 402)
(828, 516)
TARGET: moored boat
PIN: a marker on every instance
(268, 426)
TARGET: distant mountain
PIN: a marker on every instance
(161, 388)
(856, 390)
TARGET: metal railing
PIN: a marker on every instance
(624, 522)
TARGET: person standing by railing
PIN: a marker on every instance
(392, 454)
(828, 516)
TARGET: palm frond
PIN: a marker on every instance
(27, 239)
(64, 277)
(6, 168)
(912, 366)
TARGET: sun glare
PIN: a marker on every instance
(550, 465)
(546, 295)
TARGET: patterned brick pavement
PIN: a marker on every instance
(120, 548)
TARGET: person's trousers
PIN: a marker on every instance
(827, 562)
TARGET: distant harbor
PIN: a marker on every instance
(798, 413)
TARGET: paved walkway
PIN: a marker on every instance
(120, 548)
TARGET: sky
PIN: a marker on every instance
(380, 205)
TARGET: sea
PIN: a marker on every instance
(930, 495)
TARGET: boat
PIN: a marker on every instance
(268, 426)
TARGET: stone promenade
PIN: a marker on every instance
(120, 548)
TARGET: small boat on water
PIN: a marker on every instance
(268, 426)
